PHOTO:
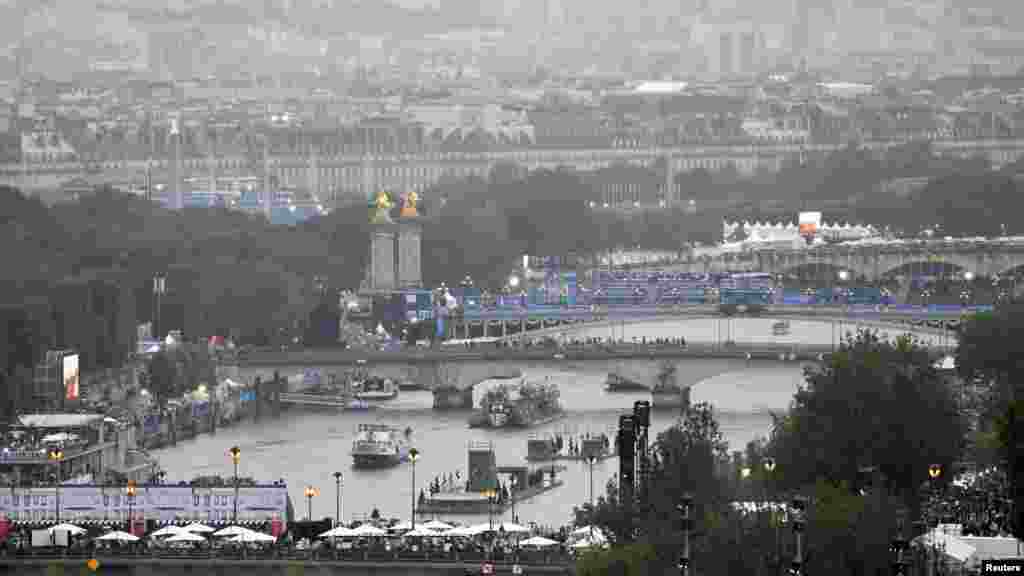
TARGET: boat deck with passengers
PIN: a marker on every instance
(380, 445)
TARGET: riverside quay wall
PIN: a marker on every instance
(182, 567)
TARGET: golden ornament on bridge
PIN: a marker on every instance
(409, 203)
(382, 206)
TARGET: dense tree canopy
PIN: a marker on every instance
(872, 404)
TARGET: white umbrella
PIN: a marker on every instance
(253, 537)
(231, 531)
(480, 529)
(585, 544)
(513, 528)
(338, 532)
(186, 537)
(461, 531)
(167, 531)
(118, 536)
(538, 541)
(406, 525)
(421, 532)
(585, 530)
(198, 528)
(67, 528)
(368, 530)
(437, 525)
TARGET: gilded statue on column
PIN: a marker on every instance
(382, 209)
(409, 202)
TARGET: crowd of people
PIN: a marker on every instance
(390, 541)
(976, 501)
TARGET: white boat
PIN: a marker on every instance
(375, 389)
(379, 445)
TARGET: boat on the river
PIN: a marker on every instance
(666, 393)
(519, 405)
(375, 388)
(616, 383)
(380, 445)
(780, 328)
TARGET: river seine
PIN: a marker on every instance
(305, 448)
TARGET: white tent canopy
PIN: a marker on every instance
(421, 532)
(198, 528)
(253, 537)
(232, 531)
(437, 525)
(463, 531)
(368, 530)
(512, 528)
(118, 536)
(167, 531)
(405, 525)
(67, 528)
(186, 537)
(338, 532)
(538, 541)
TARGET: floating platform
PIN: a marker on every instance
(339, 401)
(474, 503)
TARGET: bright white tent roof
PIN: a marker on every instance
(337, 532)
(368, 530)
(167, 531)
(253, 537)
(198, 528)
(186, 537)
(118, 536)
(538, 541)
(232, 531)
(437, 525)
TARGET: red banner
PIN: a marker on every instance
(5, 528)
(276, 527)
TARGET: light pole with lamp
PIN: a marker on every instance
(129, 491)
(934, 474)
(159, 289)
(414, 455)
(56, 455)
(591, 460)
(769, 468)
(513, 483)
(490, 493)
(337, 498)
(309, 493)
(236, 455)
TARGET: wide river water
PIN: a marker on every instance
(305, 448)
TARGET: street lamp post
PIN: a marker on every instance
(490, 493)
(337, 498)
(684, 509)
(513, 484)
(159, 289)
(129, 490)
(57, 455)
(769, 467)
(309, 492)
(236, 455)
(414, 455)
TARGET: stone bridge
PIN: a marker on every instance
(509, 324)
(451, 376)
(980, 258)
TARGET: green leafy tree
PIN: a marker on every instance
(873, 403)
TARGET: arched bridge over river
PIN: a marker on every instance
(451, 372)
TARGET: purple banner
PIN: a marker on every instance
(163, 503)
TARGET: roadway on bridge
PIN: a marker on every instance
(806, 327)
(803, 330)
